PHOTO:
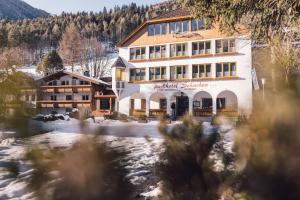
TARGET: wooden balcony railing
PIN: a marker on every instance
(228, 112)
(157, 112)
(137, 112)
(202, 112)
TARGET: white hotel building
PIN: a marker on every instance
(175, 64)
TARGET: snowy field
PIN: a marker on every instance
(128, 136)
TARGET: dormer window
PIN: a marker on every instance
(157, 29)
(179, 27)
(198, 24)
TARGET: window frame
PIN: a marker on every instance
(183, 68)
(154, 53)
(142, 56)
(228, 42)
(205, 50)
(185, 45)
(160, 74)
(134, 70)
(205, 65)
(229, 70)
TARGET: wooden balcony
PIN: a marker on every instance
(137, 112)
(67, 89)
(228, 112)
(202, 112)
(157, 112)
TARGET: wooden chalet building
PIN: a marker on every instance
(65, 91)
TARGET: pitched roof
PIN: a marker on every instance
(76, 75)
(119, 63)
(181, 12)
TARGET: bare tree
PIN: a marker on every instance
(70, 46)
(95, 57)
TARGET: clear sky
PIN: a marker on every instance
(58, 6)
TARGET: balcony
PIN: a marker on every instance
(64, 103)
(66, 89)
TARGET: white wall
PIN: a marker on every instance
(242, 87)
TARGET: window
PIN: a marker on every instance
(157, 29)
(138, 53)
(157, 52)
(202, 71)
(207, 103)
(157, 73)
(69, 97)
(198, 24)
(64, 82)
(120, 74)
(151, 30)
(53, 97)
(104, 104)
(225, 69)
(163, 104)
(201, 48)
(178, 49)
(225, 46)
(81, 82)
(179, 72)
(85, 97)
(179, 27)
(137, 74)
(33, 97)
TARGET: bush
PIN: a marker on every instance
(87, 170)
(184, 166)
(142, 119)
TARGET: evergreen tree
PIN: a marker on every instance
(52, 63)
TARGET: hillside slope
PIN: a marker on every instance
(17, 9)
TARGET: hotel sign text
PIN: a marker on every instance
(179, 85)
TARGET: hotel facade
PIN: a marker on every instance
(175, 64)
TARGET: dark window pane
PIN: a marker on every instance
(219, 70)
(172, 50)
(163, 72)
(185, 26)
(207, 47)
(157, 73)
(208, 70)
(226, 69)
(143, 53)
(178, 27)
(164, 28)
(151, 30)
(131, 74)
(219, 46)
(151, 73)
(201, 24)
(143, 73)
(138, 53)
(201, 47)
(172, 27)
(157, 52)
(178, 50)
(232, 69)
(195, 71)
(194, 25)
(157, 29)
(163, 51)
(195, 48)
(225, 46)
(131, 54)
(151, 52)
(104, 104)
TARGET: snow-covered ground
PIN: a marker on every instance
(132, 137)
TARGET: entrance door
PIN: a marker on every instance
(182, 105)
